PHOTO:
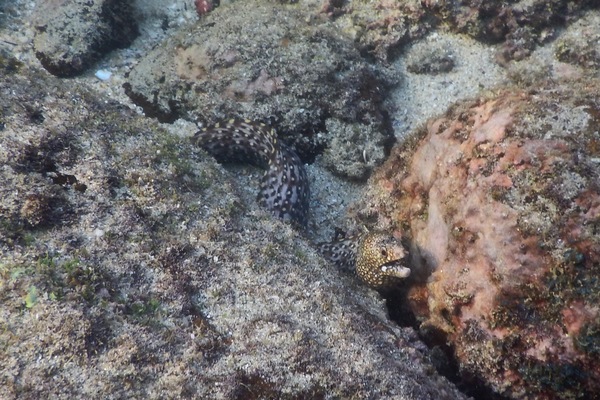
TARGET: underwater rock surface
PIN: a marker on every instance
(133, 265)
(520, 26)
(382, 28)
(501, 197)
(581, 44)
(130, 268)
(299, 75)
(73, 34)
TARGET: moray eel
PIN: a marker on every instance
(376, 257)
(285, 193)
(284, 187)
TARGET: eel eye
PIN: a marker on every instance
(384, 252)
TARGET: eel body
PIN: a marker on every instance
(284, 191)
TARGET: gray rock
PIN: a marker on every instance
(130, 268)
(354, 149)
(268, 62)
(382, 28)
(432, 61)
(580, 45)
(77, 33)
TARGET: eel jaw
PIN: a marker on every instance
(394, 269)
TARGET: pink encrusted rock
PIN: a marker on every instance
(501, 198)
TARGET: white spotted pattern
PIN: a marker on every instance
(284, 187)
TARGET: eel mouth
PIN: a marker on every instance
(395, 268)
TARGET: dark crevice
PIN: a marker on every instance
(151, 108)
(442, 353)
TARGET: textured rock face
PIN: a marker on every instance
(379, 28)
(275, 64)
(129, 268)
(493, 20)
(73, 34)
(581, 44)
(502, 201)
(520, 25)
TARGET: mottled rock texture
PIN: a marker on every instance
(581, 43)
(520, 25)
(73, 34)
(501, 199)
(130, 268)
(308, 71)
(381, 28)
(275, 64)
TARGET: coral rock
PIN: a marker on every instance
(268, 63)
(502, 200)
(157, 280)
(75, 34)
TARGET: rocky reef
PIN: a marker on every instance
(73, 34)
(501, 198)
(131, 268)
(300, 75)
(134, 266)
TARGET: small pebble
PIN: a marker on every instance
(103, 74)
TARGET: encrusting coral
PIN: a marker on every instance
(501, 198)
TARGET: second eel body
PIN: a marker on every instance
(284, 191)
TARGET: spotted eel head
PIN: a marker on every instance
(379, 260)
